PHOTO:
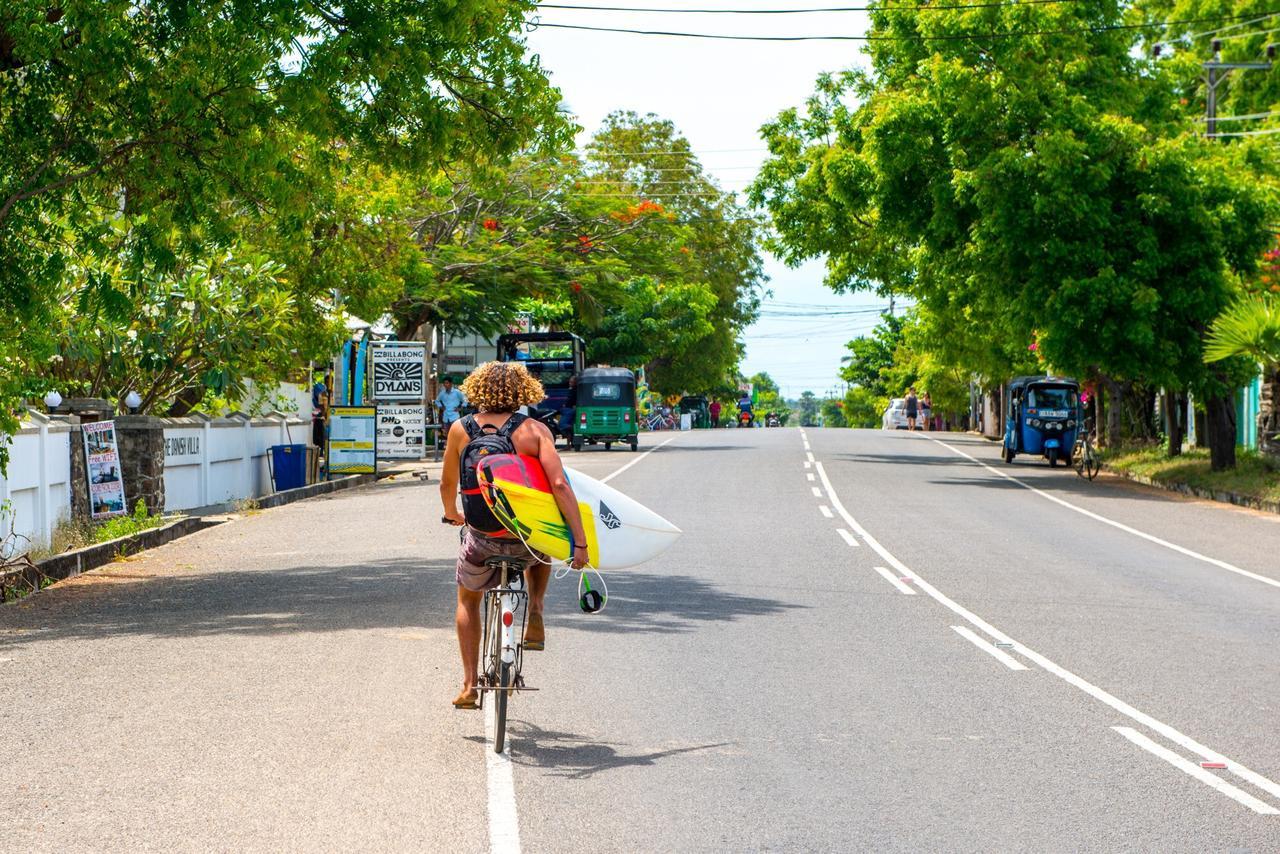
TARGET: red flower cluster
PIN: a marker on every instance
(584, 244)
(491, 225)
(576, 287)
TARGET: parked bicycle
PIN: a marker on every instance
(1083, 453)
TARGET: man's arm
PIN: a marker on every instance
(452, 471)
(563, 492)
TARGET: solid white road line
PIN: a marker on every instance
(999, 654)
(1206, 777)
(619, 471)
(1221, 564)
(895, 581)
(1269, 786)
(817, 493)
(822, 508)
(504, 828)
(848, 538)
(809, 475)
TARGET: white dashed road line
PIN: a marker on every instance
(848, 538)
(822, 508)
(1171, 734)
(817, 493)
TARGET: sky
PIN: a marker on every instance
(718, 94)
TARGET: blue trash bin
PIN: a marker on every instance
(288, 466)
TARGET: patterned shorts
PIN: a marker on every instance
(476, 548)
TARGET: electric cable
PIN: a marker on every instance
(534, 25)
(916, 8)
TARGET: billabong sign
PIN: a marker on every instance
(399, 370)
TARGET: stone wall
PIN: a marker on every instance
(140, 439)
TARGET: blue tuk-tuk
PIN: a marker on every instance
(1042, 415)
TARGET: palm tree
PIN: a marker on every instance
(1251, 328)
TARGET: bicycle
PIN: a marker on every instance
(1083, 455)
(501, 647)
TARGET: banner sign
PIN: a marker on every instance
(402, 431)
(353, 440)
(399, 370)
(102, 465)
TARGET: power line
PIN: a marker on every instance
(1245, 132)
(872, 38)
(920, 8)
(1248, 117)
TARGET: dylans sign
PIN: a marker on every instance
(399, 370)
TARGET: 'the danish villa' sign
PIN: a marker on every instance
(399, 370)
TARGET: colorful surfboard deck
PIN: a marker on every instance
(620, 531)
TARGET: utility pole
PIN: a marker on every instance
(1217, 71)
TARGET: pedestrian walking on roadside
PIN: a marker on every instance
(926, 412)
(715, 413)
(450, 400)
(913, 408)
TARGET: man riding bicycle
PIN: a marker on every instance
(497, 390)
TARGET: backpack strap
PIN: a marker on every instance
(516, 419)
(472, 426)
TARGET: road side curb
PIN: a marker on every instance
(324, 487)
(68, 564)
(1220, 495)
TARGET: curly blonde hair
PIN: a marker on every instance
(502, 387)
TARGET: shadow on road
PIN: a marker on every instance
(576, 757)
(391, 594)
(648, 602)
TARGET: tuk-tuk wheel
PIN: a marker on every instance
(1008, 454)
(1053, 458)
(577, 443)
(635, 443)
(608, 445)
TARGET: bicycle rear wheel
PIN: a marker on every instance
(500, 706)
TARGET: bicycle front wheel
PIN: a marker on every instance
(506, 672)
(1092, 466)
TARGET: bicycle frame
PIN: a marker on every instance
(504, 617)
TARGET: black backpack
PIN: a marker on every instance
(484, 440)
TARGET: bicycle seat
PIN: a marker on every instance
(511, 564)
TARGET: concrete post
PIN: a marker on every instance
(141, 442)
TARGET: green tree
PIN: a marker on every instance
(871, 356)
(833, 413)
(808, 408)
(863, 408)
(1250, 329)
(1043, 190)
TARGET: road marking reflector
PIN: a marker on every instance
(825, 510)
(848, 538)
(1196, 771)
(817, 493)
(1000, 655)
(895, 581)
(1181, 739)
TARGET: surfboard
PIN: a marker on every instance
(620, 531)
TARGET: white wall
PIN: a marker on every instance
(207, 461)
(213, 461)
(38, 486)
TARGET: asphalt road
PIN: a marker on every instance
(1038, 664)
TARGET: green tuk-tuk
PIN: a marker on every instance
(605, 408)
(697, 406)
